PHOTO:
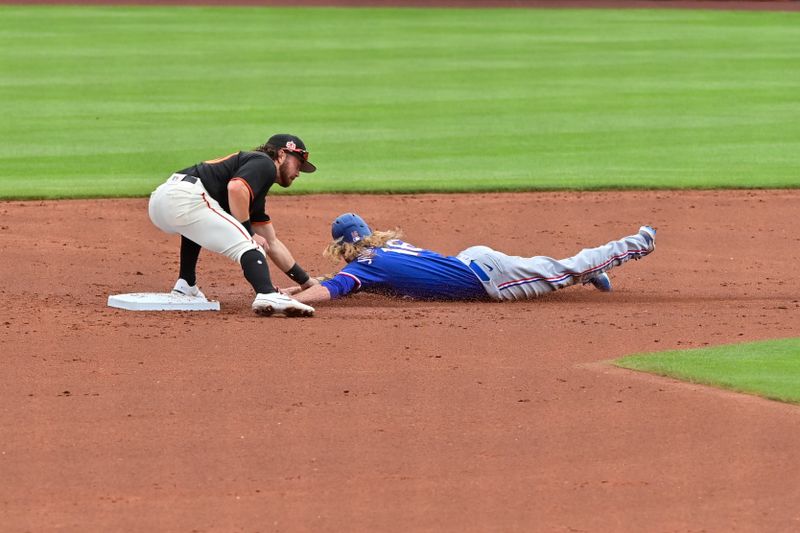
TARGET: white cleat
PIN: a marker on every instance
(277, 304)
(182, 288)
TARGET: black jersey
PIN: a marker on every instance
(256, 169)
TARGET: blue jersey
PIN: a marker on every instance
(400, 269)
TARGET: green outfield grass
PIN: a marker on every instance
(770, 368)
(108, 101)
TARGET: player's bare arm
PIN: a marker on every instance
(239, 202)
(277, 251)
(316, 293)
(280, 255)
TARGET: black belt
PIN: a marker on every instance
(478, 271)
(190, 179)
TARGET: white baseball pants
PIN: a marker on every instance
(180, 206)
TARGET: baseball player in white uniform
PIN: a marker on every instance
(220, 205)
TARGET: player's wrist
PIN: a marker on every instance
(297, 274)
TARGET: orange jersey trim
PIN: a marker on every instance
(250, 190)
(220, 159)
(261, 223)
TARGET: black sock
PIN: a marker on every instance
(190, 251)
(255, 268)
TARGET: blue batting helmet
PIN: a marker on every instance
(349, 227)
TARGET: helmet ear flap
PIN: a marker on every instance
(350, 228)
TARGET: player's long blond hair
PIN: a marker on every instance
(347, 252)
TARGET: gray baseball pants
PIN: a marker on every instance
(521, 278)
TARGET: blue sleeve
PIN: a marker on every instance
(341, 284)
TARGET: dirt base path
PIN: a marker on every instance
(385, 415)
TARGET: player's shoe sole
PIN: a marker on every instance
(288, 313)
(276, 304)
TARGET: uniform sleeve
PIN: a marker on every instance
(258, 174)
(342, 284)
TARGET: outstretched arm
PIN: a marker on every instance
(315, 293)
(338, 286)
(279, 253)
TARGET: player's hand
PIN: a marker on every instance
(289, 291)
(311, 282)
(261, 241)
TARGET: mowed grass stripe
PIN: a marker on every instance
(770, 368)
(109, 100)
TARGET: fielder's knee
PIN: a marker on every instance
(236, 251)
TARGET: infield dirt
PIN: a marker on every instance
(391, 415)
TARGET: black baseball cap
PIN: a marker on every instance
(293, 144)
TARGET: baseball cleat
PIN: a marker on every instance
(182, 288)
(649, 235)
(277, 304)
(601, 282)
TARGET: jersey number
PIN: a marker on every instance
(400, 247)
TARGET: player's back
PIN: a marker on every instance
(401, 269)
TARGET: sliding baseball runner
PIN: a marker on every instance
(380, 262)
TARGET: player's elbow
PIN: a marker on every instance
(238, 189)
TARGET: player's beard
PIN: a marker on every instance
(285, 173)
